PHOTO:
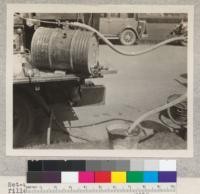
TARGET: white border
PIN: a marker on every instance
(58, 8)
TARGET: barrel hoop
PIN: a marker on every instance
(86, 50)
(72, 48)
(50, 50)
(79, 55)
(38, 49)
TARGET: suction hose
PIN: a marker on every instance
(101, 36)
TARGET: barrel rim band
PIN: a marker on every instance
(83, 38)
(72, 48)
(87, 46)
(87, 52)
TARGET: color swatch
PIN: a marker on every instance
(69, 177)
(118, 177)
(102, 177)
(99, 171)
(86, 177)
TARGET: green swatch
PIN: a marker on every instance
(135, 177)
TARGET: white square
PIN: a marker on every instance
(69, 177)
(167, 165)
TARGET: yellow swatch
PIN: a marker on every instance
(118, 177)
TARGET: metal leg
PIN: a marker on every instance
(70, 125)
(50, 128)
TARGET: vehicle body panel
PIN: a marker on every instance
(112, 25)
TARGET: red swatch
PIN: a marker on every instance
(102, 177)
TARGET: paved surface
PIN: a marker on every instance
(141, 84)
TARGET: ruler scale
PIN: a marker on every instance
(168, 188)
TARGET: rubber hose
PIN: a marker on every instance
(156, 110)
(101, 122)
(101, 36)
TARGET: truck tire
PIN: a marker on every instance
(23, 119)
(128, 37)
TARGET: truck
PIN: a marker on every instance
(52, 64)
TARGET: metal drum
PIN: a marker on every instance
(75, 51)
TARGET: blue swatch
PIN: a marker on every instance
(150, 177)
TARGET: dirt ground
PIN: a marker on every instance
(141, 84)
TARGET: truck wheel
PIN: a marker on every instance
(22, 119)
(128, 37)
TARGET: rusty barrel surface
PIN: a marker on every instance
(60, 49)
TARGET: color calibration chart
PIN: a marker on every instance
(102, 176)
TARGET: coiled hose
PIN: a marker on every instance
(156, 110)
